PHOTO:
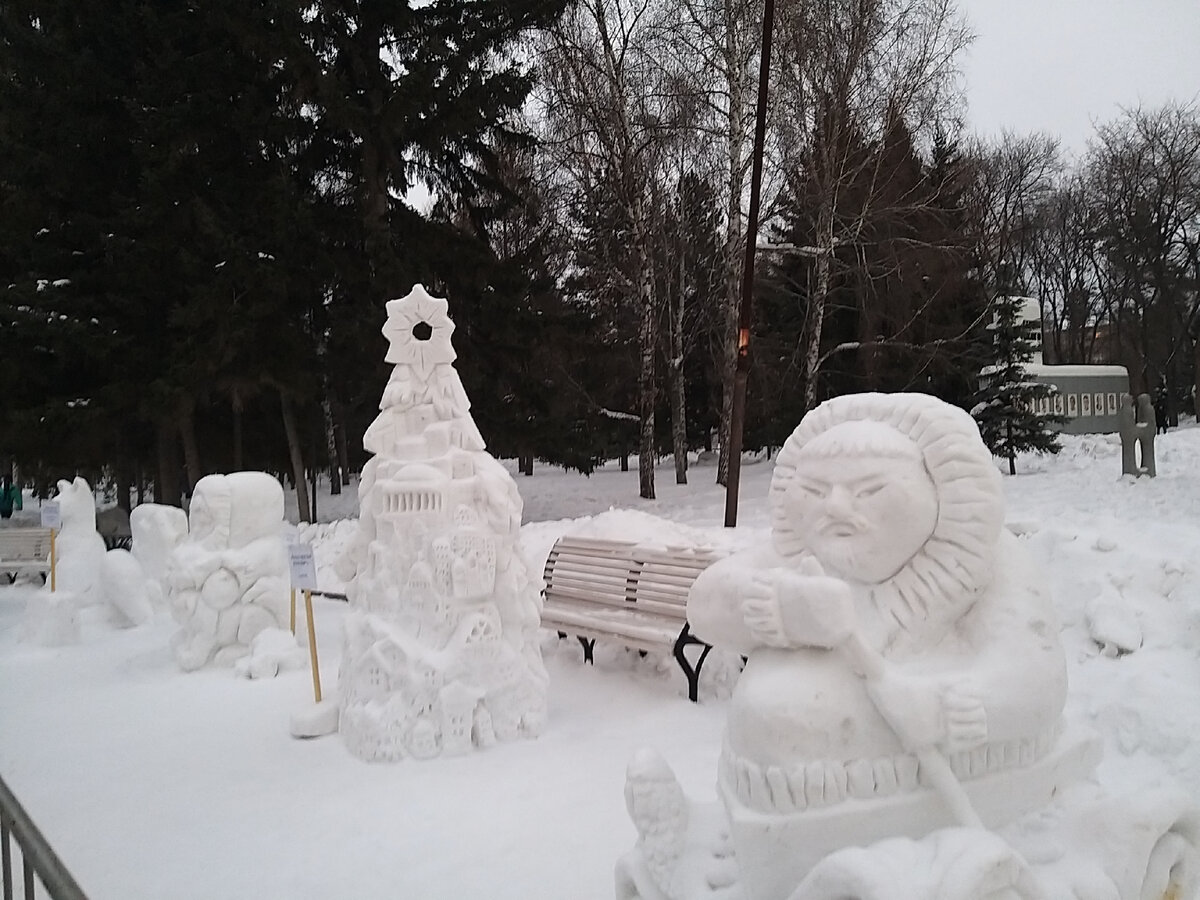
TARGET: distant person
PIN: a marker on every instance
(1160, 413)
(10, 497)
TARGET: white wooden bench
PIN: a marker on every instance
(620, 590)
(24, 550)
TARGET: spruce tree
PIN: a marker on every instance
(1005, 407)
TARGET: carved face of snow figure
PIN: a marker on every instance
(862, 501)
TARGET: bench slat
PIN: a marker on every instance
(650, 636)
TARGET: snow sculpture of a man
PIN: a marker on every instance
(227, 580)
(441, 645)
(887, 537)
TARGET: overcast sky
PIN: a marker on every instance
(1059, 65)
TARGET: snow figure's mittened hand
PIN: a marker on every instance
(965, 717)
(760, 610)
(818, 610)
(789, 608)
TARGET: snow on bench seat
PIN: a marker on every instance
(619, 590)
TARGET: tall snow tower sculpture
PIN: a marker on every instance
(441, 644)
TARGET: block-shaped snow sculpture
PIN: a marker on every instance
(441, 645)
(904, 672)
(157, 530)
(228, 579)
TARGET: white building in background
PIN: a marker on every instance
(1088, 397)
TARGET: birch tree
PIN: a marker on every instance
(605, 118)
(718, 40)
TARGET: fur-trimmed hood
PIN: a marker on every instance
(944, 578)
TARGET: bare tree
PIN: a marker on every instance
(1013, 180)
(606, 116)
(848, 73)
(1145, 169)
(718, 43)
(1062, 271)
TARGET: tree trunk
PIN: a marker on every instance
(312, 485)
(191, 449)
(235, 402)
(647, 387)
(124, 486)
(166, 486)
(339, 434)
(816, 306)
(1012, 454)
(294, 454)
(678, 385)
(735, 145)
(335, 475)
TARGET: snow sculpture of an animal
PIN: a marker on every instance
(87, 571)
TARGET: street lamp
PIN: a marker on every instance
(741, 372)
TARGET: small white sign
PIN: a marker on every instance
(51, 515)
(303, 566)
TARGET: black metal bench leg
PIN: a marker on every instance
(588, 646)
(692, 671)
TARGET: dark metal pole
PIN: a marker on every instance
(737, 416)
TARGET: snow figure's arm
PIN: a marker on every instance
(756, 600)
(1000, 675)
(255, 560)
(190, 565)
(714, 609)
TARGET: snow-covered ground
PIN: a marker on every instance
(152, 783)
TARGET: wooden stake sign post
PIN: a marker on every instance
(52, 519)
(304, 578)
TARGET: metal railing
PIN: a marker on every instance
(38, 861)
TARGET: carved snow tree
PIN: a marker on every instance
(849, 76)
